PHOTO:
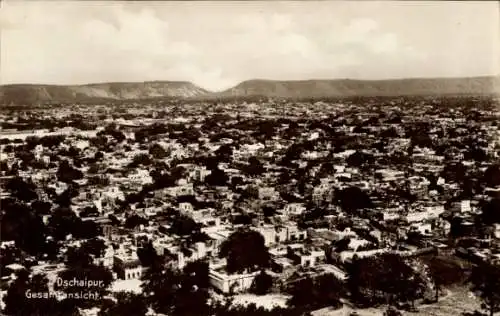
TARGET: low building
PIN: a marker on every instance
(231, 283)
(128, 267)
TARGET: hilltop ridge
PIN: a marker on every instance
(350, 87)
(31, 93)
(39, 93)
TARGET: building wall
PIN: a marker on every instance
(130, 273)
(231, 283)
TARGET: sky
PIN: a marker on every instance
(216, 45)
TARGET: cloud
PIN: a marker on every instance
(216, 45)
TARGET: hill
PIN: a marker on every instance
(347, 87)
(33, 93)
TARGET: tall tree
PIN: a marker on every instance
(160, 286)
(353, 198)
(485, 280)
(262, 283)
(20, 224)
(443, 273)
(320, 292)
(245, 250)
(384, 277)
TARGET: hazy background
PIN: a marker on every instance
(218, 44)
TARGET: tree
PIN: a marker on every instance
(78, 257)
(15, 298)
(456, 227)
(217, 178)
(159, 286)
(262, 283)
(454, 172)
(485, 280)
(173, 292)
(147, 255)
(342, 244)
(384, 277)
(178, 172)
(476, 153)
(323, 291)
(254, 167)
(64, 199)
(93, 169)
(236, 181)
(443, 272)
(62, 223)
(157, 151)
(419, 136)
(89, 211)
(134, 221)
(87, 229)
(300, 292)
(41, 207)
(492, 176)
(21, 189)
(398, 280)
(95, 247)
(245, 250)
(269, 211)
(390, 132)
(184, 226)
(112, 130)
(491, 211)
(353, 199)
(66, 173)
(20, 224)
(197, 273)
(359, 159)
(224, 153)
(22, 298)
(141, 159)
(328, 290)
(99, 155)
(192, 299)
(127, 304)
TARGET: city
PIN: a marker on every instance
(281, 199)
(249, 158)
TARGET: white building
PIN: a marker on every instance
(128, 267)
(294, 209)
(230, 283)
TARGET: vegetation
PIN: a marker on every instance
(383, 278)
(236, 249)
(485, 280)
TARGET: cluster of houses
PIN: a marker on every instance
(390, 224)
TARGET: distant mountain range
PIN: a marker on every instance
(347, 87)
(34, 93)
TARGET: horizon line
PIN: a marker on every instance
(249, 80)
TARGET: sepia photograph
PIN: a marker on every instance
(249, 158)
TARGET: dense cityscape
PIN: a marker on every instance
(253, 206)
(249, 158)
